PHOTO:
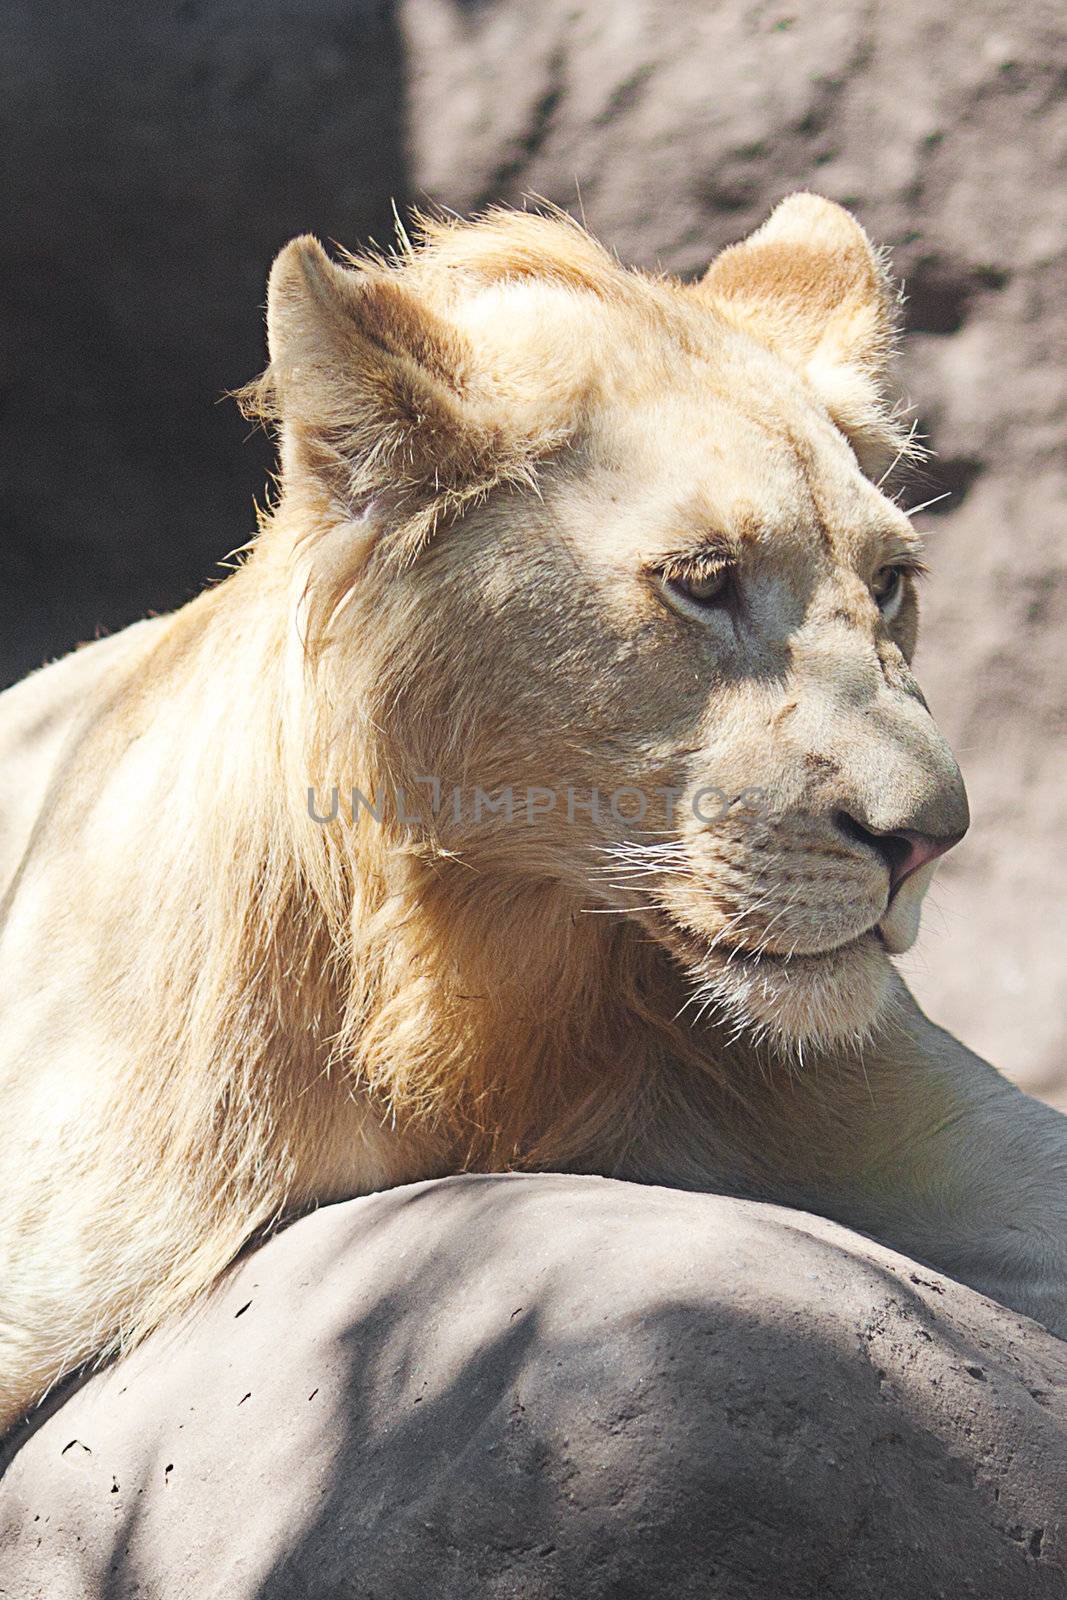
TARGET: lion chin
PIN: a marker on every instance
(802, 1003)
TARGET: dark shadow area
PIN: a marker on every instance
(154, 159)
(940, 293)
(953, 477)
(940, 484)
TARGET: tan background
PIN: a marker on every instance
(154, 158)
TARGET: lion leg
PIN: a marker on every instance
(72, 1297)
(917, 1142)
(26, 1374)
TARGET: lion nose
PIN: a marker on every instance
(904, 851)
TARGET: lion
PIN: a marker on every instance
(546, 788)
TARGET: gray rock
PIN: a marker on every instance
(557, 1387)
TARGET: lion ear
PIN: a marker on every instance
(811, 286)
(371, 387)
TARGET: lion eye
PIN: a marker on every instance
(703, 588)
(887, 586)
(696, 583)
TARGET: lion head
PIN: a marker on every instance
(604, 605)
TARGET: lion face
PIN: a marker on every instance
(655, 600)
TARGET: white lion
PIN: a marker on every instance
(595, 546)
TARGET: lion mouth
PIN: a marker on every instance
(799, 961)
(697, 951)
(783, 958)
(894, 934)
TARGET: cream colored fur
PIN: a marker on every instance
(503, 459)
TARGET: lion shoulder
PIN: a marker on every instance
(40, 717)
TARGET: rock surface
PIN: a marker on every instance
(155, 158)
(558, 1387)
